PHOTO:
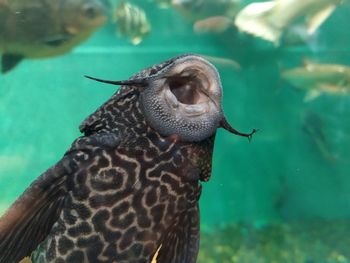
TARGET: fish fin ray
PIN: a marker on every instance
(29, 220)
(10, 61)
(316, 20)
(253, 19)
(181, 243)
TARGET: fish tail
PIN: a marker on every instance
(255, 19)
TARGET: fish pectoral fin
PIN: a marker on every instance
(10, 61)
(181, 242)
(56, 41)
(154, 259)
(311, 95)
(26, 260)
(29, 220)
(316, 20)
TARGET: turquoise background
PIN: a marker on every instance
(280, 176)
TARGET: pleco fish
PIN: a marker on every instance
(212, 16)
(42, 28)
(318, 79)
(132, 22)
(128, 189)
(268, 20)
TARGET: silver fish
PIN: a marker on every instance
(269, 20)
(317, 79)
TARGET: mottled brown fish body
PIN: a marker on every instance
(127, 191)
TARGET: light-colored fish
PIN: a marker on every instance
(162, 3)
(320, 79)
(40, 28)
(269, 20)
(199, 9)
(225, 62)
(213, 24)
(132, 22)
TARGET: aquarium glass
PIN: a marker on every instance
(284, 196)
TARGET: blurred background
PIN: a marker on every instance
(285, 70)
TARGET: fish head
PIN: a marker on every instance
(84, 15)
(183, 98)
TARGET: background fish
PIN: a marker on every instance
(268, 20)
(194, 10)
(132, 22)
(313, 126)
(162, 3)
(213, 16)
(40, 28)
(213, 24)
(128, 189)
(320, 79)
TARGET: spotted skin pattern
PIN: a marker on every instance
(120, 192)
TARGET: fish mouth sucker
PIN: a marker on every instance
(184, 98)
(189, 94)
(193, 87)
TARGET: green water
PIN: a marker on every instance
(278, 178)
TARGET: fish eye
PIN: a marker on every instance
(90, 11)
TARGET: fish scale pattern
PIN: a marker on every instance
(132, 190)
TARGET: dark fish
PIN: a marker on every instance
(41, 28)
(129, 187)
(313, 126)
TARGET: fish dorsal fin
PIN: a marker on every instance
(10, 61)
(316, 20)
(181, 242)
(29, 220)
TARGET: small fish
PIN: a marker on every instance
(317, 79)
(313, 126)
(40, 29)
(195, 10)
(269, 20)
(132, 22)
(128, 189)
(221, 61)
(213, 24)
(162, 3)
